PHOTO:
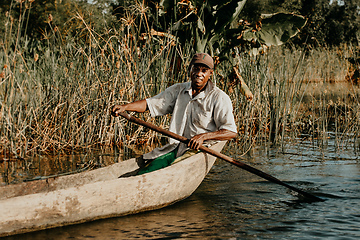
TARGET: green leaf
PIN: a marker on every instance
(201, 26)
(227, 13)
(200, 42)
(278, 28)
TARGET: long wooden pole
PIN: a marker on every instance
(228, 159)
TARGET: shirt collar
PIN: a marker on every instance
(209, 87)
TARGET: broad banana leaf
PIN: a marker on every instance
(210, 19)
(276, 29)
(226, 14)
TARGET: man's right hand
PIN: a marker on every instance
(117, 109)
(137, 106)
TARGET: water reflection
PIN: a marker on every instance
(234, 204)
(36, 167)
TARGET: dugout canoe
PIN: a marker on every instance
(98, 194)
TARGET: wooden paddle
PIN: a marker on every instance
(244, 166)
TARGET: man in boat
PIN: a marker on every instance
(200, 112)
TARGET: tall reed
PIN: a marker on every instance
(298, 94)
(56, 94)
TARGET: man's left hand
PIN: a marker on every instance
(196, 142)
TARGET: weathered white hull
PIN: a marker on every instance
(98, 194)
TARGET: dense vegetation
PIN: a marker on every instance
(64, 63)
(329, 22)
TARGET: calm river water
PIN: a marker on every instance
(233, 204)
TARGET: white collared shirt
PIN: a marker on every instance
(211, 110)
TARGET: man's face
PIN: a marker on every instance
(199, 75)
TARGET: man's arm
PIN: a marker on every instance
(137, 106)
(223, 134)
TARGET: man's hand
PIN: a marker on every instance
(117, 109)
(223, 134)
(137, 106)
(196, 142)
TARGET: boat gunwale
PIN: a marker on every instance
(97, 200)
